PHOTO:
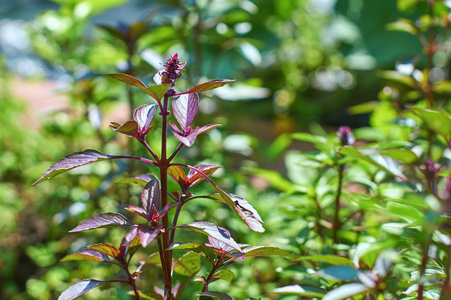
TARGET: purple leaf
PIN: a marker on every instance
(188, 138)
(128, 79)
(207, 128)
(208, 86)
(157, 77)
(219, 245)
(215, 295)
(175, 128)
(151, 194)
(195, 177)
(129, 128)
(107, 249)
(78, 289)
(242, 208)
(138, 211)
(147, 234)
(73, 160)
(104, 219)
(219, 233)
(141, 179)
(87, 255)
(185, 109)
(167, 208)
(155, 91)
(143, 115)
(129, 241)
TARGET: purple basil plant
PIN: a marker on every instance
(157, 201)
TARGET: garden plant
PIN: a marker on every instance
(373, 203)
(156, 212)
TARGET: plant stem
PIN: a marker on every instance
(336, 223)
(133, 284)
(216, 266)
(135, 158)
(164, 164)
(143, 141)
(423, 265)
(174, 222)
(166, 276)
(445, 293)
(131, 281)
(180, 146)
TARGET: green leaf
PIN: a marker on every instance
(266, 251)
(443, 86)
(401, 154)
(226, 275)
(208, 86)
(129, 128)
(279, 146)
(372, 156)
(300, 290)
(216, 295)
(404, 25)
(397, 77)
(339, 273)
(363, 108)
(404, 211)
(188, 264)
(438, 121)
(154, 258)
(307, 137)
(346, 291)
(184, 246)
(73, 160)
(141, 180)
(404, 5)
(156, 91)
(329, 259)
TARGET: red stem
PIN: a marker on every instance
(143, 141)
(163, 165)
(132, 283)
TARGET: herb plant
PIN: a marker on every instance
(159, 221)
(375, 208)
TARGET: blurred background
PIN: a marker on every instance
(299, 65)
